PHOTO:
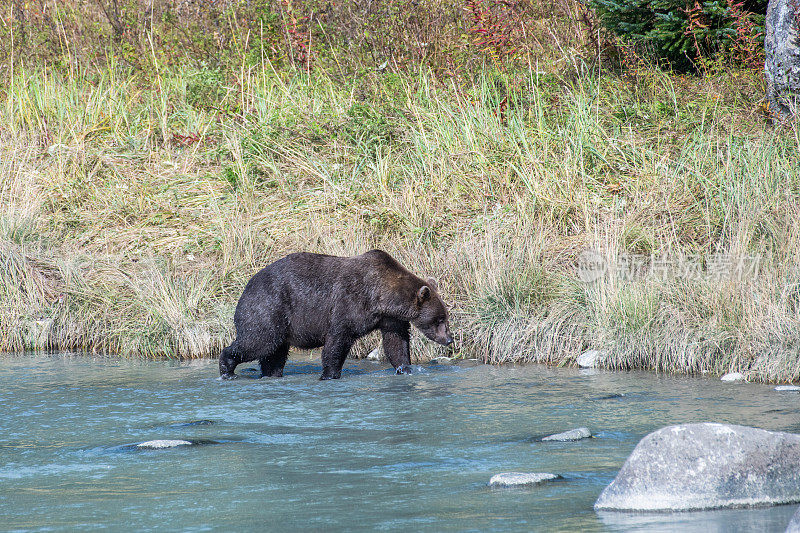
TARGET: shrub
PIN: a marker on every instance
(687, 34)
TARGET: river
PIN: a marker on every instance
(371, 451)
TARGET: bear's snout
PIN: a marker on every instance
(444, 340)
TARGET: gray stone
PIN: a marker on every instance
(794, 523)
(733, 376)
(573, 434)
(56, 149)
(787, 388)
(375, 355)
(161, 444)
(520, 479)
(590, 358)
(782, 57)
(706, 466)
(442, 360)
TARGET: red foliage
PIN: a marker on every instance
(747, 48)
(492, 30)
(298, 35)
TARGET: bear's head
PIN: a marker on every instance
(432, 319)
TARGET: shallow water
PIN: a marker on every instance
(372, 451)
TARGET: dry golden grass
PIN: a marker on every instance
(132, 213)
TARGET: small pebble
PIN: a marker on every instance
(161, 444)
(520, 479)
(573, 434)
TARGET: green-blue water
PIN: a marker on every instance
(372, 451)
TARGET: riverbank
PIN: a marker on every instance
(650, 215)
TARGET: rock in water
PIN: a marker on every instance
(590, 358)
(375, 355)
(782, 51)
(787, 388)
(520, 479)
(794, 524)
(573, 434)
(733, 376)
(160, 444)
(706, 466)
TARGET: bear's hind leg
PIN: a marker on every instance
(333, 355)
(272, 364)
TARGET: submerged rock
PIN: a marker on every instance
(733, 376)
(590, 358)
(794, 524)
(706, 466)
(787, 388)
(442, 360)
(520, 479)
(192, 423)
(612, 396)
(161, 444)
(573, 434)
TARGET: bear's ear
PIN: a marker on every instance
(423, 294)
(432, 284)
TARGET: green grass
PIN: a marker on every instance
(134, 209)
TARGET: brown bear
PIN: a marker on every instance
(310, 300)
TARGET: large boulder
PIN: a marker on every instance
(706, 466)
(782, 51)
(794, 524)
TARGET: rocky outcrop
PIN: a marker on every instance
(706, 466)
(782, 64)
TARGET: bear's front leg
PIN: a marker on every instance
(334, 354)
(397, 343)
(228, 361)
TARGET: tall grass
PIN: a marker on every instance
(133, 210)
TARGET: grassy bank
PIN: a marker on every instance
(134, 209)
